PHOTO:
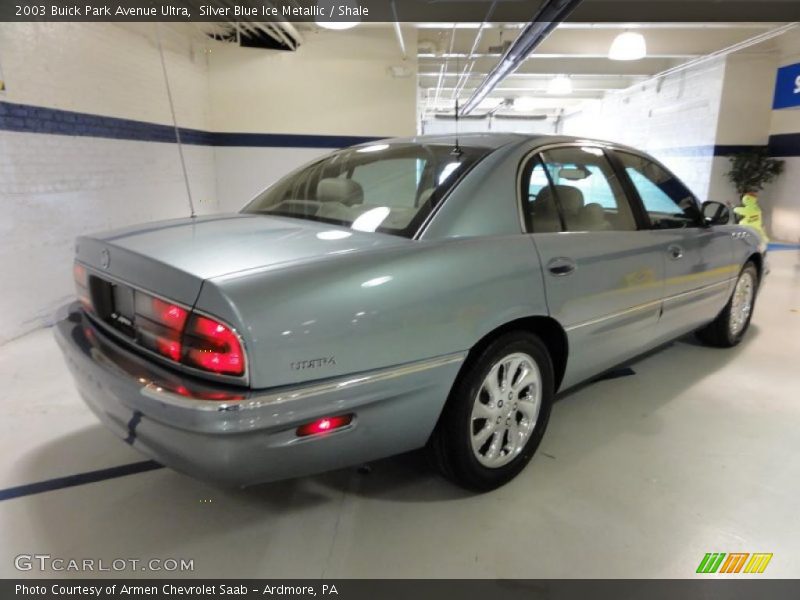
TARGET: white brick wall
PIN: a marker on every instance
(244, 172)
(337, 83)
(55, 187)
(105, 69)
(662, 117)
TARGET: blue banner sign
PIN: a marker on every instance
(787, 87)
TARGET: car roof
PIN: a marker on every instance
(494, 141)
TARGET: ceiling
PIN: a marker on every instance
(454, 59)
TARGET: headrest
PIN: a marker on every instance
(571, 198)
(346, 191)
(544, 204)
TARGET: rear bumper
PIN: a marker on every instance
(248, 436)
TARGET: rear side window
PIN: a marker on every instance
(668, 203)
(539, 206)
(581, 193)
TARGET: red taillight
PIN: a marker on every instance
(324, 425)
(169, 348)
(171, 315)
(160, 325)
(212, 346)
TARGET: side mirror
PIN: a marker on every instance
(716, 213)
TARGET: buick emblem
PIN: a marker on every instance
(105, 258)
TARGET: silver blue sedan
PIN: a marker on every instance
(396, 295)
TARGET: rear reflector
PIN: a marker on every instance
(324, 425)
(212, 346)
(82, 285)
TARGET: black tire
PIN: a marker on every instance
(450, 446)
(719, 332)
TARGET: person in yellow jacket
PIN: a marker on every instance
(750, 213)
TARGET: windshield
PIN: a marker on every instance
(389, 188)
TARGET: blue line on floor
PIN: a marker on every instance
(50, 485)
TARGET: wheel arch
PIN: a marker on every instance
(758, 260)
(546, 328)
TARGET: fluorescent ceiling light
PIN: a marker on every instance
(330, 9)
(338, 25)
(490, 103)
(560, 85)
(628, 46)
(524, 104)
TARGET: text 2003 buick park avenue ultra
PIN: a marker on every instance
(390, 296)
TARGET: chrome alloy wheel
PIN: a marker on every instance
(741, 303)
(505, 410)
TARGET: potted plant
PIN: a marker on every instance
(752, 170)
(749, 173)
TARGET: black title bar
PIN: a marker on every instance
(391, 10)
(710, 588)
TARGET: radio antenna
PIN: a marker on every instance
(457, 148)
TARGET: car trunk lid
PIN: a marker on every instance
(173, 258)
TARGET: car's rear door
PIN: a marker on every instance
(698, 259)
(602, 270)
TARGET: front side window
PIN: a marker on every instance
(582, 193)
(668, 203)
(389, 188)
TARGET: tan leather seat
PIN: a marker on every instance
(571, 199)
(544, 214)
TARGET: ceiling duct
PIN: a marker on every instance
(548, 17)
(272, 35)
(492, 114)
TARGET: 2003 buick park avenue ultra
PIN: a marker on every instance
(390, 296)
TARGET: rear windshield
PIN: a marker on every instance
(389, 188)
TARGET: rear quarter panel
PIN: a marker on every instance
(357, 312)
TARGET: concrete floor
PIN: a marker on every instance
(639, 476)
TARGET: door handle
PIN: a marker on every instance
(675, 252)
(561, 266)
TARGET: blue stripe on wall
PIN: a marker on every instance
(709, 150)
(37, 119)
(784, 145)
(286, 140)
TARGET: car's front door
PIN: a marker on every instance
(602, 272)
(699, 269)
